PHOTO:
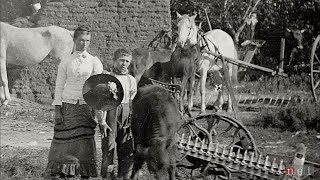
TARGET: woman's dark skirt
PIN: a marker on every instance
(73, 148)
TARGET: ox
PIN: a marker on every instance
(155, 121)
(29, 46)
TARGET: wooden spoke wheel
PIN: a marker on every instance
(215, 128)
(315, 69)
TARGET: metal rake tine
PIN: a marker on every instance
(266, 162)
(273, 165)
(196, 143)
(202, 144)
(181, 139)
(282, 101)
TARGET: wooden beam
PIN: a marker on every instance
(245, 64)
(283, 45)
(205, 12)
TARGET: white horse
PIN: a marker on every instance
(29, 46)
(216, 41)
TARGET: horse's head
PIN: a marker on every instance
(187, 30)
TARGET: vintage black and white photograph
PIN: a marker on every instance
(160, 89)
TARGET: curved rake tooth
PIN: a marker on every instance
(281, 167)
(252, 159)
(245, 100)
(181, 140)
(224, 151)
(216, 149)
(208, 153)
(209, 147)
(275, 102)
(266, 163)
(202, 145)
(195, 144)
(245, 156)
(273, 165)
(282, 100)
(189, 142)
(259, 163)
(289, 100)
(238, 156)
(230, 153)
(251, 100)
(270, 101)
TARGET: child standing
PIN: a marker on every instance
(115, 125)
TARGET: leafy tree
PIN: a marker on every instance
(274, 17)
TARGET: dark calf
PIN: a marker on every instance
(297, 48)
(155, 120)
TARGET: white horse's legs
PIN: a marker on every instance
(4, 89)
(203, 78)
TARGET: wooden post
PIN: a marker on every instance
(283, 44)
(205, 12)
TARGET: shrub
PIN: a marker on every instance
(294, 118)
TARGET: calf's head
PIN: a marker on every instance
(297, 35)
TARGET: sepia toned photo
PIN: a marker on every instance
(160, 89)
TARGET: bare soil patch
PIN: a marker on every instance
(27, 131)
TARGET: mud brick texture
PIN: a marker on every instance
(114, 24)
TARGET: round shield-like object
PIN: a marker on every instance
(102, 91)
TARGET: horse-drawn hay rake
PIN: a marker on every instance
(216, 146)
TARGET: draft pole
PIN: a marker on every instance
(205, 12)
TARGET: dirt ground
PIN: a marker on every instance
(27, 130)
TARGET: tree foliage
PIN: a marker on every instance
(273, 15)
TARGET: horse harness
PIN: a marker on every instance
(206, 45)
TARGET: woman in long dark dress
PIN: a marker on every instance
(73, 148)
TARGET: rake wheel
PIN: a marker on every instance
(215, 128)
(315, 69)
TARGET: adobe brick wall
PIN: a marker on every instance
(115, 23)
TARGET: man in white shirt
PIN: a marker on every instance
(73, 145)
